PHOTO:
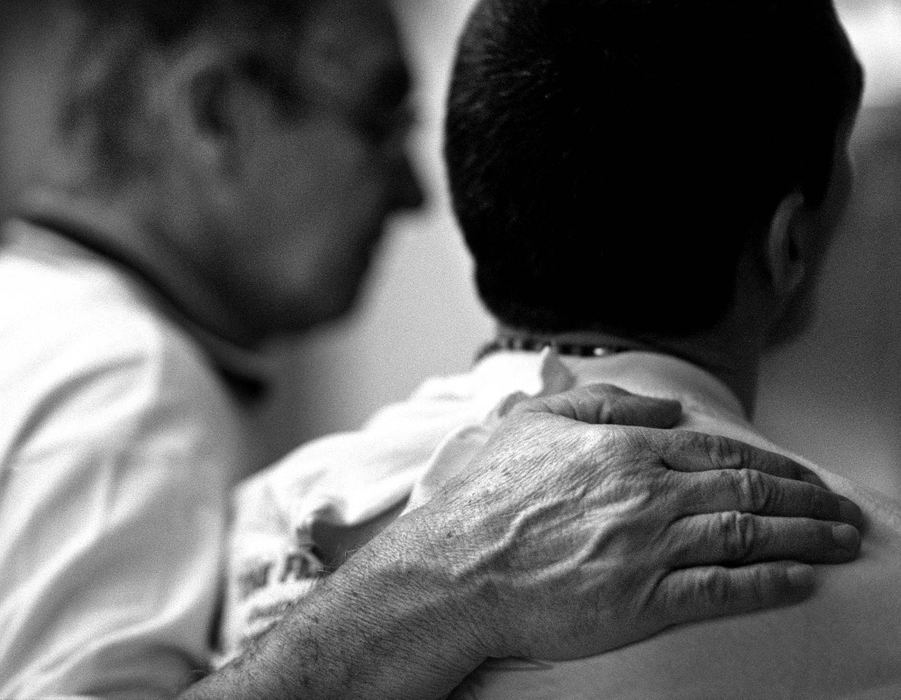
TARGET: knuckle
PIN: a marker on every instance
(521, 409)
(738, 531)
(737, 483)
(517, 411)
(824, 504)
(606, 411)
(619, 440)
(755, 587)
(715, 588)
(532, 404)
(755, 493)
(608, 398)
(818, 502)
(723, 453)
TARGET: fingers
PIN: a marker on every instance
(698, 452)
(700, 593)
(740, 538)
(606, 404)
(749, 491)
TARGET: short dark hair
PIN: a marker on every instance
(609, 160)
(105, 87)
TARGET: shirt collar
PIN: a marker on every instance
(648, 373)
(58, 220)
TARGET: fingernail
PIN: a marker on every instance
(800, 575)
(850, 512)
(846, 537)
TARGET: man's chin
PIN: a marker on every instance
(338, 304)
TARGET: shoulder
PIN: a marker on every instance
(84, 346)
(118, 443)
(398, 436)
(883, 509)
(83, 308)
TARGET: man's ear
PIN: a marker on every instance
(783, 254)
(198, 94)
(208, 92)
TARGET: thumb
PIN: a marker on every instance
(606, 404)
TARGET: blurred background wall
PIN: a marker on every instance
(835, 395)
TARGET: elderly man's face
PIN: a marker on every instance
(319, 188)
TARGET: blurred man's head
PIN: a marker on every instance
(266, 138)
(613, 163)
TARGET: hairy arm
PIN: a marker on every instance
(564, 538)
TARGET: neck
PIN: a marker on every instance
(163, 276)
(125, 224)
(730, 352)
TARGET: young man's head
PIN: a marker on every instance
(265, 137)
(614, 163)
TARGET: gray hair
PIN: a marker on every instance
(105, 87)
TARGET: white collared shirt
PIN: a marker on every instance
(119, 446)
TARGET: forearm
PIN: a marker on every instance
(545, 547)
(385, 625)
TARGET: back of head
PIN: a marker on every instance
(609, 160)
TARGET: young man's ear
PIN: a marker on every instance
(783, 252)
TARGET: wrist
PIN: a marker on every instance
(386, 624)
(409, 604)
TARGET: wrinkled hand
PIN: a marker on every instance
(566, 539)
(562, 539)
